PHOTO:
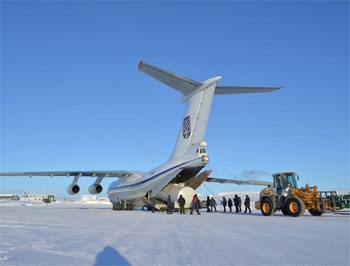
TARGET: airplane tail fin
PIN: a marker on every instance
(199, 96)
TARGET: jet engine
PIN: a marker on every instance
(95, 188)
(73, 189)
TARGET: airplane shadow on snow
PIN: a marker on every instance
(109, 256)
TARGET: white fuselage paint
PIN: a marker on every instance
(153, 181)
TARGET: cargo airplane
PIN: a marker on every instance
(180, 174)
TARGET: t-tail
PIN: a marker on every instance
(199, 96)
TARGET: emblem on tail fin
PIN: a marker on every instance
(186, 127)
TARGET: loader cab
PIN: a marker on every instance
(282, 179)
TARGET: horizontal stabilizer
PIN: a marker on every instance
(182, 84)
(221, 90)
(239, 182)
(186, 85)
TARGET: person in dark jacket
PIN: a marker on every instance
(239, 204)
(236, 202)
(212, 204)
(181, 200)
(208, 204)
(224, 203)
(195, 204)
(153, 204)
(247, 204)
(169, 205)
(230, 203)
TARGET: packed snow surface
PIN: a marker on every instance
(87, 234)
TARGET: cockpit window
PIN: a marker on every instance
(201, 150)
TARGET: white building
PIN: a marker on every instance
(38, 197)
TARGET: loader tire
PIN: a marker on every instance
(285, 210)
(315, 213)
(267, 208)
(295, 207)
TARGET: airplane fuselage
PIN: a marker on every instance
(152, 182)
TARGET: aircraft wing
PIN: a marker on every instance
(123, 174)
(239, 182)
(221, 90)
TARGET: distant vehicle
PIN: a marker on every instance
(49, 198)
(180, 173)
(285, 196)
(346, 201)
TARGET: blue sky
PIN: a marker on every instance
(72, 97)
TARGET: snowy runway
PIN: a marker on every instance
(85, 234)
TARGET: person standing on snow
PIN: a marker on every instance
(181, 200)
(224, 203)
(169, 205)
(236, 202)
(247, 204)
(212, 204)
(239, 204)
(153, 204)
(208, 204)
(229, 203)
(195, 204)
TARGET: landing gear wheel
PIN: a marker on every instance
(267, 208)
(295, 207)
(117, 207)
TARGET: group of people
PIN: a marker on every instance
(237, 202)
(211, 204)
(195, 204)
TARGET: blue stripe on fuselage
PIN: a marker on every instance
(152, 177)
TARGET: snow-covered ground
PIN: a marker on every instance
(87, 234)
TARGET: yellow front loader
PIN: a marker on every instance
(285, 196)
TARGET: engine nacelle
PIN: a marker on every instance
(73, 189)
(95, 188)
